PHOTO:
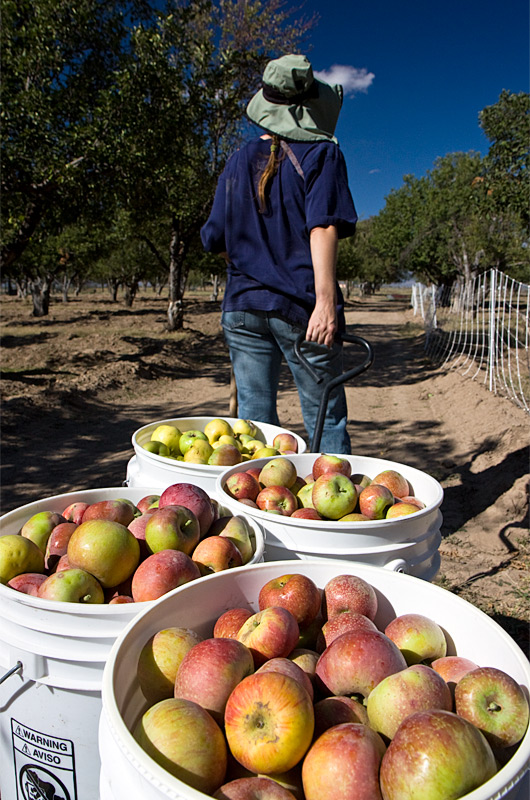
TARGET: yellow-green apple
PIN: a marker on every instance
(257, 444)
(106, 549)
(74, 512)
(18, 555)
(393, 480)
(172, 528)
(269, 722)
(122, 511)
(334, 495)
(27, 582)
(375, 500)
(328, 463)
(355, 662)
(278, 472)
(294, 591)
(193, 497)
(305, 495)
(215, 428)
(287, 666)
(227, 439)
(270, 633)
(277, 499)
(418, 637)
(226, 455)
(185, 740)
(306, 513)
(228, 625)
(306, 659)
(168, 435)
(265, 451)
(341, 623)
(285, 443)
(343, 764)
(162, 572)
(346, 592)
(242, 484)
(187, 438)
(244, 427)
(400, 509)
(57, 543)
(256, 787)
(160, 659)
(360, 479)
(39, 527)
(435, 755)
(72, 586)
(147, 503)
(215, 554)
(198, 452)
(210, 671)
(495, 703)
(452, 668)
(238, 530)
(354, 517)
(158, 448)
(416, 688)
(331, 711)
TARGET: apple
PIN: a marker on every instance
(415, 501)
(418, 637)
(375, 500)
(328, 463)
(334, 495)
(298, 593)
(57, 543)
(452, 668)
(255, 472)
(239, 532)
(74, 512)
(158, 448)
(400, 509)
(228, 625)
(227, 439)
(244, 427)
(269, 722)
(193, 497)
(309, 633)
(393, 480)
(242, 484)
(360, 479)
(343, 764)
(72, 586)
(331, 711)
(285, 442)
(278, 499)
(356, 661)
(27, 582)
(339, 624)
(122, 511)
(137, 528)
(210, 671)
(198, 452)
(247, 502)
(305, 495)
(168, 435)
(226, 455)
(18, 555)
(495, 703)
(187, 438)
(160, 659)
(270, 633)
(106, 549)
(435, 754)
(147, 503)
(215, 554)
(63, 563)
(172, 528)
(354, 517)
(306, 513)
(162, 572)
(120, 600)
(347, 592)
(416, 688)
(288, 667)
(258, 444)
(256, 787)
(278, 472)
(297, 485)
(265, 452)
(185, 740)
(215, 428)
(306, 659)
(39, 527)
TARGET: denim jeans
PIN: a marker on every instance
(258, 341)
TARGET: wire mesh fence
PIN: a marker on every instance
(480, 328)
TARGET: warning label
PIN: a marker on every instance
(44, 765)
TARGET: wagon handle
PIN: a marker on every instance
(346, 376)
(16, 668)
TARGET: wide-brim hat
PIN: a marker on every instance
(294, 104)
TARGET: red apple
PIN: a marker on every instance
(400, 509)
(331, 711)
(62, 564)
(296, 592)
(254, 471)
(247, 502)
(256, 787)
(328, 463)
(160, 659)
(137, 528)
(215, 554)
(106, 549)
(452, 668)
(270, 633)
(288, 667)
(415, 501)
(343, 764)
(122, 511)
(74, 512)
(229, 624)
(277, 499)
(278, 472)
(172, 528)
(193, 497)
(147, 503)
(162, 572)
(393, 480)
(285, 443)
(306, 513)
(242, 484)
(418, 637)
(435, 754)
(341, 623)
(27, 583)
(57, 543)
(349, 593)
(375, 500)
(269, 722)
(120, 600)
(334, 495)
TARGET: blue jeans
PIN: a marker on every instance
(258, 340)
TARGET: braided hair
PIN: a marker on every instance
(271, 168)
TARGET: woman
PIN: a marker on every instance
(280, 207)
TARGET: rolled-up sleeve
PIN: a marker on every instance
(328, 199)
(213, 230)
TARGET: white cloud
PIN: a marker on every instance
(373, 171)
(351, 79)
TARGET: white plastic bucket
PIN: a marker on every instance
(127, 771)
(150, 469)
(407, 544)
(50, 706)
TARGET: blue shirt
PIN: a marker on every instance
(270, 265)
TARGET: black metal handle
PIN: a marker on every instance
(346, 376)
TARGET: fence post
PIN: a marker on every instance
(492, 343)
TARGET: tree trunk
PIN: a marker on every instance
(40, 294)
(177, 282)
(215, 289)
(131, 290)
(113, 285)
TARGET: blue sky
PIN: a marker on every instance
(419, 72)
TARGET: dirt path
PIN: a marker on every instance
(76, 385)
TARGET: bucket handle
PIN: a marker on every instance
(16, 668)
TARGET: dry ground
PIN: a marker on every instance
(78, 383)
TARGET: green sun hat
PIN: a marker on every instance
(294, 104)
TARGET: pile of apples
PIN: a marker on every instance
(307, 699)
(220, 444)
(330, 492)
(113, 551)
